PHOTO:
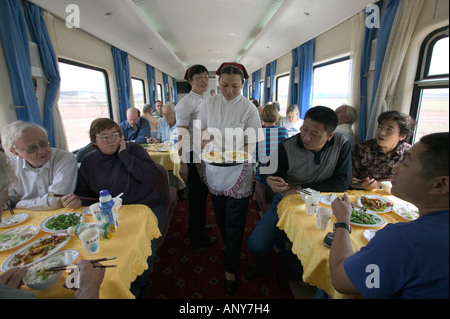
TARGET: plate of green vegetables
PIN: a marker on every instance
(61, 222)
(361, 217)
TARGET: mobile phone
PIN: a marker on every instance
(328, 240)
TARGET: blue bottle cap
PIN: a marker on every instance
(104, 192)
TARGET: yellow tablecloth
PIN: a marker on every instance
(307, 240)
(130, 244)
(169, 159)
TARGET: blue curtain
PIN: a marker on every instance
(151, 84)
(175, 90)
(166, 87)
(305, 56)
(122, 71)
(270, 73)
(14, 37)
(293, 86)
(40, 36)
(384, 32)
(245, 89)
(256, 80)
(369, 35)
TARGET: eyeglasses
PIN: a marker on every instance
(106, 137)
(167, 114)
(33, 148)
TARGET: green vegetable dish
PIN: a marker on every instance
(63, 221)
(362, 217)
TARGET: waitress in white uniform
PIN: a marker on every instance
(231, 122)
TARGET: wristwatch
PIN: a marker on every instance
(342, 225)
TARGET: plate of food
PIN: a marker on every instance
(375, 203)
(407, 211)
(39, 277)
(61, 222)
(157, 147)
(212, 157)
(36, 251)
(360, 217)
(236, 156)
(13, 220)
(17, 236)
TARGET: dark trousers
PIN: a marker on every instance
(231, 215)
(198, 194)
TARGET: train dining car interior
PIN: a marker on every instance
(351, 88)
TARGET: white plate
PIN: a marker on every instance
(48, 230)
(327, 199)
(13, 220)
(383, 199)
(407, 211)
(369, 233)
(17, 239)
(8, 263)
(216, 158)
(241, 156)
(380, 220)
(162, 150)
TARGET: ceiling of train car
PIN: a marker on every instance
(174, 34)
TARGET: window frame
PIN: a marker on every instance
(327, 63)
(277, 88)
(143, 89)
(423, 80)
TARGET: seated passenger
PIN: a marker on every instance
(346, 117)
(158, 109)
(147, 111)
(167, 125)
(292, 121)
(273, 136)
(118, 167)
(135, 128)
(373, 160)
(408, 260)
(39, 168)
(317, 158)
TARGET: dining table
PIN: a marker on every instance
(131, 245)
(168, 158)
(308, 241)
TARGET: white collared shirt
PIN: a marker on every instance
(58, 175)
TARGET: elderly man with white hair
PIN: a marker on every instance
(40, 169)
(346, 117)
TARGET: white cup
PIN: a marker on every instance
(323, 216)
(386, 186)
(311, 203)
(90, 238)
(95, 211)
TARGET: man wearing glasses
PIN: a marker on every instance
(40, 169)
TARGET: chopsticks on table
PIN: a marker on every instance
(80, 197)
(298, 188)
(64, 267)
(10, 209)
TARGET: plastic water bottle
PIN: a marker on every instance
(175, 136)
(107, 210)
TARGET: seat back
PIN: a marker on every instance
(169, 200)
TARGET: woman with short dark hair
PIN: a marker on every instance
(373, 160)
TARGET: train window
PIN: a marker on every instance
(282, 92)
(138, 92)
(159, 92)
(331, 83)
(430, 101)
(84, 96)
